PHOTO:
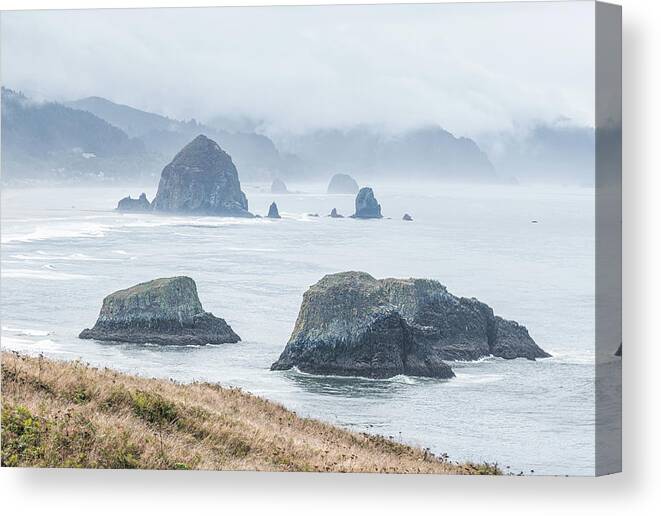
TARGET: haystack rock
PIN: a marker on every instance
(141, 204)
(366, 205)
(161, 311)
(342, 184)
(202, 180)
(279, 187)
(273, 211)
(335, 215)
(352, 324)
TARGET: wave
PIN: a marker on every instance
(463, 378)
(574, 358)
(84, 228)
(32, 346)
(43, 274)
(400, 378)
(196, 222)
(252, 249)
(27, 332)
(75, 257)
(52, 232)
(488, 358)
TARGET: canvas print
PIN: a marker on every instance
(367, 239)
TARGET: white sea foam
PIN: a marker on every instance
(55, 231)
(29, 332)
(209, 222)
(252, 249)
(75, 257)
(400, 378)
(463, 378)
(43, 274)
(577, 358)
(30, 346)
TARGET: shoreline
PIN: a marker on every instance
(69, 414)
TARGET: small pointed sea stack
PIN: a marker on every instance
(141, 204)
(407, 217)
(162, 311)
(201, 180)
(273, 211)
(366, 205)
(335, 215)
(279, 187)
(342, 184)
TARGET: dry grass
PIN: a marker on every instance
(68, 414)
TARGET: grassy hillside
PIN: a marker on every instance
(68, 414)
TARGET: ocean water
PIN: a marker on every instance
(64, 249)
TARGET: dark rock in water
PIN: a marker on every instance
(366, 205)
(352, 324)
(273, 211)
(335, 215)
(618, 353)
(161, 311)
(201, 179)
(342, 184)
(140, 204)
(511, 340)
(313, 214)
(279, 187)
(407, 217)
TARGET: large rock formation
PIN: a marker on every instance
(342, 184)
(366, 205)
(140, 204)
(279, 187)
(201, 179)
(355, 325)
(273, 211)
(161, 311)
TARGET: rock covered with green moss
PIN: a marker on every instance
(161, 311)
(352, 324)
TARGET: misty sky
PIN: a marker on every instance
(471, 68)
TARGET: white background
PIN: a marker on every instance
(636, 491)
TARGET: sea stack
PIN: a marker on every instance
(273, 211)
(141, 204)
(162, 311)
(342, 184)
(335, 215)
(407, 217)
(201, 180)
(279, 187)
(351, 324)
(366, 205)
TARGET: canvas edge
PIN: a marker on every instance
(608, 238)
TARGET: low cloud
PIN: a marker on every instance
(471, 68)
